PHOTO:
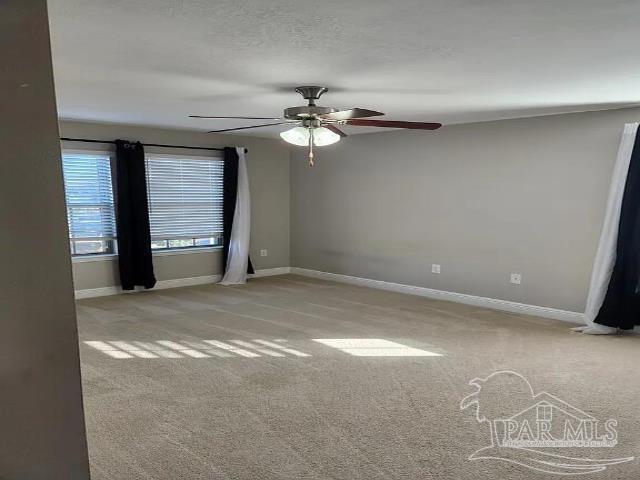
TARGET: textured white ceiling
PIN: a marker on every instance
(154, 62)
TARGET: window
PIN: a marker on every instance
(89, 195)
(185, 201)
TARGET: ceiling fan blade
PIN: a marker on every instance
(394, 124)
(353, 113)
(335, 129)
(246, 128)
(238, 118)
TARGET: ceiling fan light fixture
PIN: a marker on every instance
(323, 136)
(300, 136)
(296, 136)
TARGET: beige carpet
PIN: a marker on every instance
(238, 410)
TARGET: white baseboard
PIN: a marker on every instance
(97, 292)
(504, 305)
(270, 272)
(178, 282)
(160, 285)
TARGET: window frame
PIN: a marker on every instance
(89, 257)
(189, 249)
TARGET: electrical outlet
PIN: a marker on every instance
(264, 253)
(435, 268)
(516, 278)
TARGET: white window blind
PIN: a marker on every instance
(90, 209)
(185, 201)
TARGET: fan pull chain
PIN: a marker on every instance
(311, 164)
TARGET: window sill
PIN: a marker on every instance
(161, 253)
(94, 258)
(184, 251)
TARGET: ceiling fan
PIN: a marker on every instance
(318, 126)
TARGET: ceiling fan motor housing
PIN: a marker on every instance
(298, 113)
(310, 93)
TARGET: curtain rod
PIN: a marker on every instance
(90, 140)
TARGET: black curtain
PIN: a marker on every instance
(621, 306)
(132, 217)
(229, 194)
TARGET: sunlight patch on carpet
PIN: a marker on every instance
(374, 347)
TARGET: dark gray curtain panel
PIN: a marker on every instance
(132, 217)
(621, 306)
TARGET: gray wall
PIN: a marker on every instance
(483, 200)
(41, 418)
(268, 165)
